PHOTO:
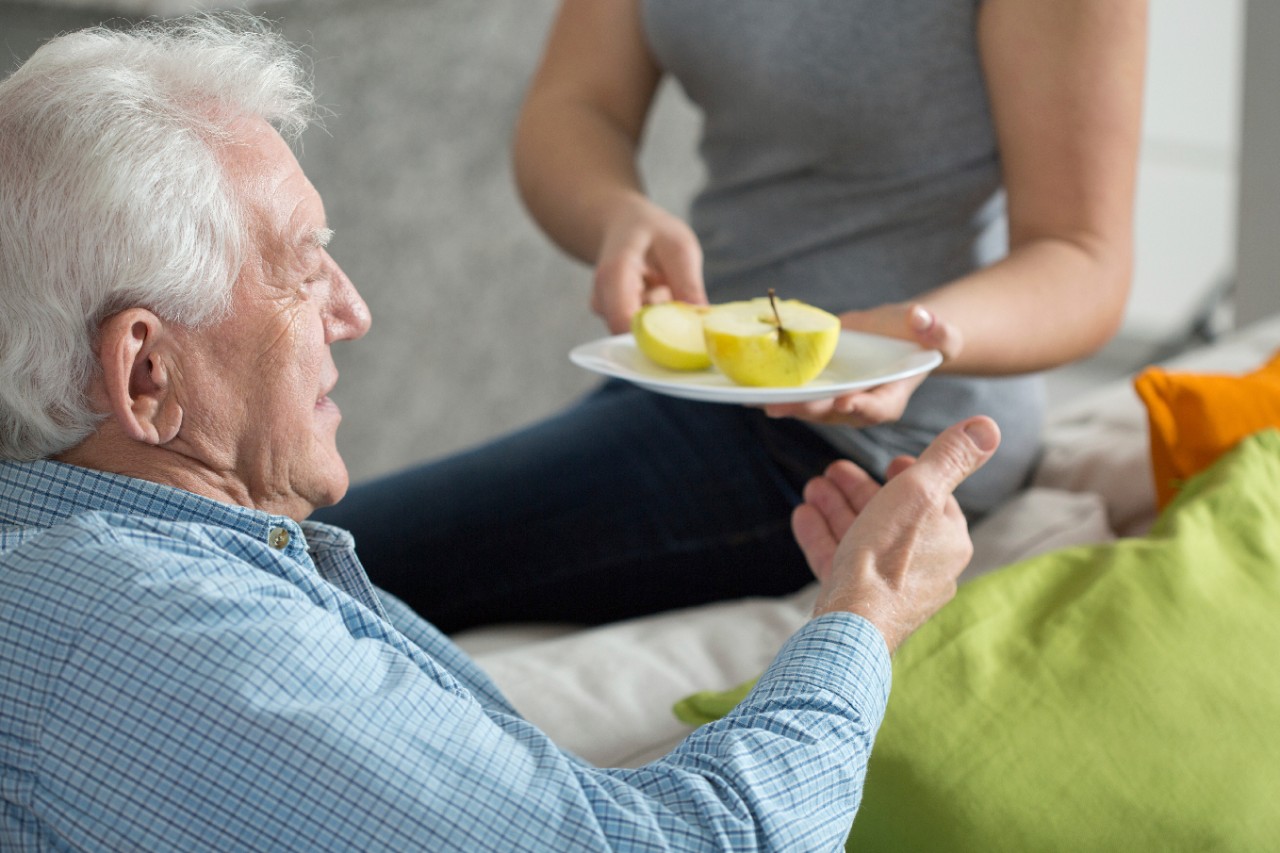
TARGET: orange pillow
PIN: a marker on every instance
(1196, 417)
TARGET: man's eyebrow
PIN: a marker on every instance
(318, 238)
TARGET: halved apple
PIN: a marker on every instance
(770, 342)
(670, 334)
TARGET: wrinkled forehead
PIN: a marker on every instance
(284, 214)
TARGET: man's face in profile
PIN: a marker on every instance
(256, 407)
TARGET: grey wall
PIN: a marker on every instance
(1258, 258)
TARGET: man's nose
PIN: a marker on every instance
(349, 315)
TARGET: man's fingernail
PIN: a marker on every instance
(983, 433)
(921, 319)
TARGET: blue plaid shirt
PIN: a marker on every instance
(182, 674)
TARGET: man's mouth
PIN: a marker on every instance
(324, 401)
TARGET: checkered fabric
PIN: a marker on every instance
(181, 674)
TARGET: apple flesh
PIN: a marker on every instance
(670, 334)
(770, 342)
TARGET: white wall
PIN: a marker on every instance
(1187, 181)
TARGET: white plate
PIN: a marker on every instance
(861, 361)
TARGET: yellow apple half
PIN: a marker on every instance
(746, 343)
(670, 334)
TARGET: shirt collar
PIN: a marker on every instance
(44, 493)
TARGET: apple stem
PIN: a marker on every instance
(783, 338)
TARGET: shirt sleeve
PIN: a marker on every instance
(214, 708)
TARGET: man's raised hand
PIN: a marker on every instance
(892, 553)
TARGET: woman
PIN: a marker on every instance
(956, 172)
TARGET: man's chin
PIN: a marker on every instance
(331, 489)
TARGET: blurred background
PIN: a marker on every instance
(475, 311)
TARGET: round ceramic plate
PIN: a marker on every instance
(861, 361)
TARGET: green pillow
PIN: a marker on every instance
(1115, 697)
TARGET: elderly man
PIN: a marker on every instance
(187, 664)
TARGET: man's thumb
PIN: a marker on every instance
(960, 449)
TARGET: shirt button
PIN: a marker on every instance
(278, 538)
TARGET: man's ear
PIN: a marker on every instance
(136, 358)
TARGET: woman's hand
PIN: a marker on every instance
(883, 403)
(647, 256)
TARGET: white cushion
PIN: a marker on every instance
(606, 693)
(1034, 522)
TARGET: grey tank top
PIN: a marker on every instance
(851, 161)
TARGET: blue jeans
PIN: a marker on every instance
(626, 503)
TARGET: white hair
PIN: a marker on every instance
(112, 195)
